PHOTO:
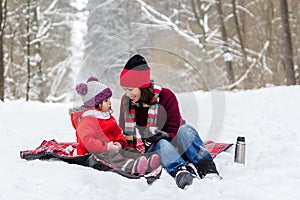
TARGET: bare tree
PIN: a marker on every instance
(34, 44)
(239, 33)
(37, 52)
(28, 50)
(33, 51)
(1, 57)
(199, 15)
(228, 62)
(2, 25)
(287, 44)
(36, 60)
(248, 31)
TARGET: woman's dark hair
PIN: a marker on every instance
(147, 94)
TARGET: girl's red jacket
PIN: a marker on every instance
(94, 133)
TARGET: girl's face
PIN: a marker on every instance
(133, 93)
(105, 106)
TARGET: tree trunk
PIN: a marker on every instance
(245, 64)
(239, 33)
(2, 25)
(228, 63)
(199, 16)
(28, 51)
(242, 17)
(38, 59)
(287, 44)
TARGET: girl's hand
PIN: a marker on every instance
(113, 148)
(118, 144)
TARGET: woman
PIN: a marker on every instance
(98, 132)
(150, 117)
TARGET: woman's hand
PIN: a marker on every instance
(158, 136)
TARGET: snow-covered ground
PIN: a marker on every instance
(268, 118)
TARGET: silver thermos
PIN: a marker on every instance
(240, 150)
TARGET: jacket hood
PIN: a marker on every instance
(77, 116)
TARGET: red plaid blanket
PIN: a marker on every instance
(216, 148)
(66, 149)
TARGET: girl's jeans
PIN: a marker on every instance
(189, 140)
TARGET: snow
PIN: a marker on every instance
(268, 118)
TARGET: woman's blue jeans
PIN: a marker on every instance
(189, 140)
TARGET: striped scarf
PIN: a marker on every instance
(133, 137)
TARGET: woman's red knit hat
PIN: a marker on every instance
(136, 73)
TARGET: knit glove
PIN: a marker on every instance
(157, 136)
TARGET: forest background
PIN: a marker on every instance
(48, 46)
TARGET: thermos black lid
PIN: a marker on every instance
(241, 139)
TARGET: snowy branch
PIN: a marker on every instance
(51, 7)
(254, 62)
(243, 77)
(160, 19)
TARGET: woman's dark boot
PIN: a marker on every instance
(207, 166)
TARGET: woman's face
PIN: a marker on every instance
(133, 93)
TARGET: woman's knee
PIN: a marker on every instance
(162, 143)
(186, 131)
(164, 146)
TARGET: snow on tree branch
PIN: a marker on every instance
(254, 62)
(161, 19)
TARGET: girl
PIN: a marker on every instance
(98, 132)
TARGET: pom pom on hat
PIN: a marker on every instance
(93, 92)
(82, 89)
